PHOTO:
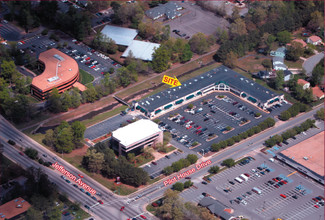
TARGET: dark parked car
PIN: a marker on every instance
(205, 183)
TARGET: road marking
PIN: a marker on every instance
(292, 173)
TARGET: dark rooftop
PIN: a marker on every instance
(215, 207)
(222, 73)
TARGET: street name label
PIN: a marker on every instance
(171, 81)
(187, 173)
(73, 178)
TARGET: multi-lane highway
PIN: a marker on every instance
(112, 203)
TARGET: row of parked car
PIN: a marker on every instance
(82, 189)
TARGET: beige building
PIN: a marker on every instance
(136, 136)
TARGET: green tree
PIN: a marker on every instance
(55, 103)
(228, 162)
(231, 60)
(65, 141)
(78, 130)
(199, 43)
(95, 160)
(161, 59)
(178, 186)
(192, 158)
(186, 54)
(8, 70)
(54, 213)
(188, 184)
(279, 80)
(177, 166)
(284, 37)
(75, 98)
(66, 101)
(214, 169)
(320, 114)
(168, 170)
(222, 35)
(316, 21)
(294, 52)
(31, 153)
(49, 139)
(238, 28)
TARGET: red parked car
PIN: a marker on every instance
(246, 174)
(21, 153)
(142, 216)
(198, 127)
(81, 176)
(122, 208)
(189, 127)
(283, 196)
(100, 202)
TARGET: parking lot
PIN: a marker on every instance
(88, 59)
(283, 193)
(211, 119)
(195, 20)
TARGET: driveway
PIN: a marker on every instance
(311, 62)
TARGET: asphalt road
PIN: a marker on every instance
(311, 62)
(109, 210)
(113, 203)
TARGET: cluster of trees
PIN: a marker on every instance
(180, 164)
(320, 114)
(104, 43)
(101, 159)
(173, 207)
(303, 95)
(156, 32)
(171, 51)
(318, 73)
(65, 138)
(266, 23)
(181, 186)
(228, 162)
(13, 88)
(214, 169)
(267, 123)
(200, 43)
(73, 98)
(130, 14)
(293, 111)
(33, 154)
(276, 139)
(75, 22)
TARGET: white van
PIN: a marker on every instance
(238, 180)
(243, 177)
(271, 159)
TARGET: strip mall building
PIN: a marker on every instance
(220, 79)
(60, 71)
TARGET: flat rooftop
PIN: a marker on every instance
(121, 36)
(67, 69)
(141, 50)
(13, 208)
(219, 74)
(313, 149)
(135, 132)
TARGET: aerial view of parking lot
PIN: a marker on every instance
(185, 110)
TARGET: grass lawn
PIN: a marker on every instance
(169, 149)
(103, 116)
(85, 77)
(38, 118)
(295, 65)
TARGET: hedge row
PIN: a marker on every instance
(293, 111)
(276, 139)
(180, 164)
(267, 123)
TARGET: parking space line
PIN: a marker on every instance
(292, 173)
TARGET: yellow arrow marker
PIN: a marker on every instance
(171, 81)
(292, 173)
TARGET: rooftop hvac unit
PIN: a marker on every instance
(305, 158)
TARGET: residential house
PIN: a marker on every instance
(317, 93)
(314, 40)
(278, 59)
(169, 9)
(300, 41)
(287, 75)
(264, 74)
(217, 208)
(304, 83)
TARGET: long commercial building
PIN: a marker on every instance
(136, 136)
(220, 79)
(61, 72)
